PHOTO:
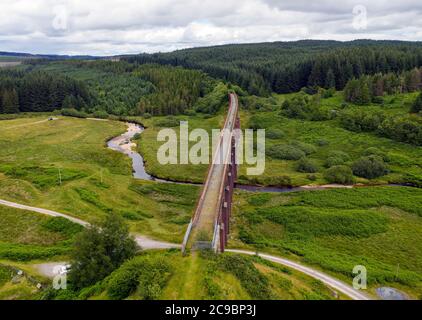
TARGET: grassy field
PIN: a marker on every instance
(317, 139)
(168, 275)
(27, 236)
(335, 230)
(149, 146)
(94, 180)
(15, 286)
(320, 138)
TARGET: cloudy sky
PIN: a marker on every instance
(107, 27)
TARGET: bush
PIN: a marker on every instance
(285, 152)
(339, 174)
(336, 158)
(299, 107)
(213, 101)
(98, 251)
(307, 166)
(254, 282)
(147, 275)
(369, 167)
(403, 129)
(376, 152)
(361, 121)
(274, 134)
(305, 147)
(62, 225)
(100, 115)
(167, 122)
(74, 113)
(417, 105)
(147, 115)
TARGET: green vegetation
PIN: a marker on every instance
(335, 140)
(339, 174)
(168, 275)
(99, 250)
(369, 167)
(177, 89)
(29, 91)
(27, 236)
(284, 67)
(17, 286)
(377, 227)
(95, 181)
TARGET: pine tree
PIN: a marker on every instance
(330, 79)
(417, 105)
(10, 101)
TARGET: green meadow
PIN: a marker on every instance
(36, 154)
(168, 275)
(335, 230)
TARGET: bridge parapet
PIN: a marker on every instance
(212, 214)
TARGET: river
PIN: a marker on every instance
(124, 144)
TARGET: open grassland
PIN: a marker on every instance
(168, 275)
(318, 140)
(27, 236)
(95, 181)
(148, 146)
(378, 227)
(15, 285)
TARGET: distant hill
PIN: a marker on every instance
(284, 67)
(48, 56)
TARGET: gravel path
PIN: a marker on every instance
(324, 278)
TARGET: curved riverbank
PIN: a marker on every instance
(124, 144)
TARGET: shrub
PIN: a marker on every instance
(62, 225)
(305, 147)
(74, 113)
(147, 115)
(148, 275)
(274, 134)
(167, 122)
(369, 167)
(339, 174)
(404, 129)
(378, 100)
(376, 152)
(307, 166)
(100, 115)
(417, 105)
(285, 152)
(298, 107)
(336, 158)
(98, 251)
(361, 121)
(254, 282)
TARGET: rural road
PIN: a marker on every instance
(324, 278)
(148, 244)
(144, 242)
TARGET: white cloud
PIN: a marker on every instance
(129, 26)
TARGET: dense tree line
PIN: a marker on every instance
(113, 86)
(119, 88)
(367, 89)
(33, 91)
(285, 67)
(176, 89)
